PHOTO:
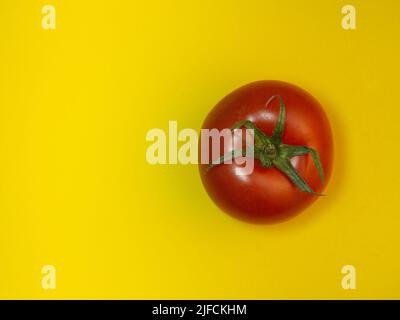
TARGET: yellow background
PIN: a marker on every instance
(76, 191)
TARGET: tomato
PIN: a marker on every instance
(272, 193)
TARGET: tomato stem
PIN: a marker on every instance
(271, 152)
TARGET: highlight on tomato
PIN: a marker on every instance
(292, 152)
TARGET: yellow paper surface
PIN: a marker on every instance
(77, 192)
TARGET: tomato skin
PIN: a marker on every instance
(267, 195)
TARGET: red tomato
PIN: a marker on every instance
(268, 195)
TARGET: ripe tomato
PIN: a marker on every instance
(271, 193)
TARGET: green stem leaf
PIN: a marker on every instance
(292, 151)
(280, 124)
(260, 138)
(286, 168)
(248, 152)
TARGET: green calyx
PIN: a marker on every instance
(271, 152)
